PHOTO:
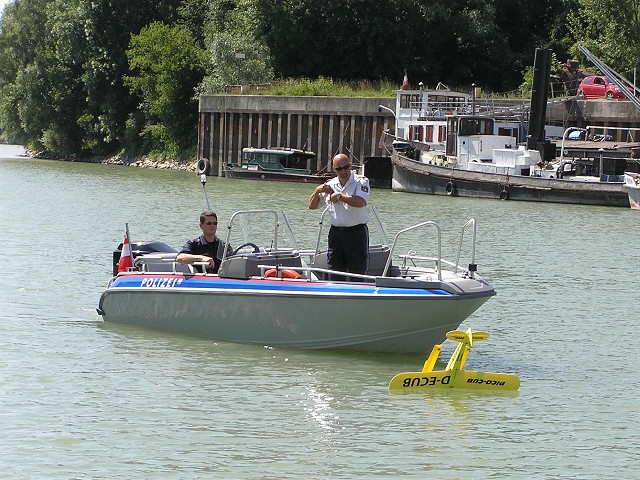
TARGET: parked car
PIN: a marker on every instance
(598, 86)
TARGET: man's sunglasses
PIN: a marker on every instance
(345, 167)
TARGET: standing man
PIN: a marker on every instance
(347, 196)
(207, 247)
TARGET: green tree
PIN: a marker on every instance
(63, 63)
(167, 66)
(192, 14)
(452, 41)
(108, 26)
(234, 54)
(64, 58)
(352, 39)
(610, 29)
(235, 59)
(24, 104)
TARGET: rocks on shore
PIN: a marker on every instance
(140, 162)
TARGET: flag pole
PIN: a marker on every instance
(126, 227)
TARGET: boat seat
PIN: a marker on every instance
(246, 265)
(320, 261)
(378, 256)
(163, 263)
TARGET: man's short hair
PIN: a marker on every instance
(206, 214)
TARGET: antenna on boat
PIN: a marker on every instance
(203, 179)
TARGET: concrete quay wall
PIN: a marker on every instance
(618, 115)
(327, 125)
(324, 125)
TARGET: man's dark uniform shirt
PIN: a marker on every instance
(200, 246)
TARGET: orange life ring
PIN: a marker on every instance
(273, 272)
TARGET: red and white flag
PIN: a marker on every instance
(405, 81)
(126, 257)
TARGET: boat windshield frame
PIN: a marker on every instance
(242, 224)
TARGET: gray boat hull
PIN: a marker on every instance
(296, 314)
(416, 177)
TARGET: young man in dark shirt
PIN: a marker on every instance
(205, 248)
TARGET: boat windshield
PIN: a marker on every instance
(475, 126)
(266, 230)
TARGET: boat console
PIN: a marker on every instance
(246, 265)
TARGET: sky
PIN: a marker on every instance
(2, 4)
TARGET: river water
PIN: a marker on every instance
(84, 399)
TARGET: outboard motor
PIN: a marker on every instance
(141, 248)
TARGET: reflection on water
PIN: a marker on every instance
(84, 399)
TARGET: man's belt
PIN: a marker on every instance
(346, 229)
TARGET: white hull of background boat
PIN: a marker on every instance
(632, 185)
(481, 158)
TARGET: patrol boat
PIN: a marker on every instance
(269, 292)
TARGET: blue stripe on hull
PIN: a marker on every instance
(178, 282)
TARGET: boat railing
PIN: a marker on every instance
(162, 262)
(376, 231)
(411, 255)
(409, 260)
(312, 273)
(430, 109)
(319, 239)
(471, 223)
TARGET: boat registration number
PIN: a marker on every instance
(425, 381)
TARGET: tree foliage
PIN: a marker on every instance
(235, 53)
(610, 29)
(95, 76)
(166, 66)
(24, 110)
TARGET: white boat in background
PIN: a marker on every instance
(474, 167)
(632, 185)
(268, 292)
(445, 144)
(421, 117)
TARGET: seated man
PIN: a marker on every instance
(207, 247)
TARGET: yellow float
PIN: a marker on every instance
(453, 376)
